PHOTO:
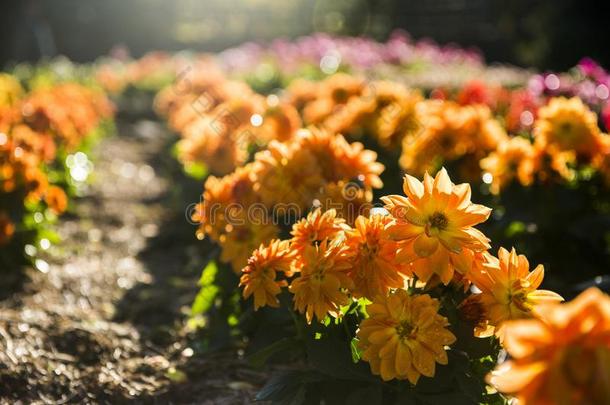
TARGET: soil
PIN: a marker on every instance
(106, 320)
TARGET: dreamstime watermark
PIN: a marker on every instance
(237, 214)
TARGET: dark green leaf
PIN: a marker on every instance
(259, 358)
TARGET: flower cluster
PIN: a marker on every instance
(394, 258)
(220, 121)
(349, 105)
(565, 137)
(37, 131)
(247, 207)
(487, 132)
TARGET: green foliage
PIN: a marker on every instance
(205, 297)
(196, 170)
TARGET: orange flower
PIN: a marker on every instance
(450, 132)
(434, 226)
(243, 235)
(322, 285)
(508, 289)
(223, 199)
(7, 228)
(203, 142)
(318, 226)
(287, 174)
(350, 200)
(56, 199)
(404, 336)
(259, 277)
(341, 160)
(374, 270)
(69, 111)
(563, 357)
(568, 125)
(514, 158)
(333, 93)
(279, 122)
(301, 91)
(397, 117)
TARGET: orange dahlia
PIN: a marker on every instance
(514, 158)
(374, 270)
(203, 142)
(341, 160)
(349, 198)
(287, 174)
(568, 125)
(224, 198)
(434, 225)
(316, 227)
(508, 288)
(397, 117)
(404, 336)
(562, 356)
(322, 285)
(242, 237)
(332, 93)
(259, 277)
(450, 132)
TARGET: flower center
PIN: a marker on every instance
(438, 221)
(340, 95)
(518, 298)
(565, 128)
(368, 251)
(318, 275)
(405, 330)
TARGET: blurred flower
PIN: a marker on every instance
(287, 174)
(450, 132)
(7, 228)
(243, 235)
(333, 93)
(224, 200)
(513, 159)
(562, 357)
(56, 199)
(404, 336)
(568, 125)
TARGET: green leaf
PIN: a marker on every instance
(288, 388)
(205, 298)
(515, 228)
(333, 357)
(196, 170)
(259, 358)
(356, 352)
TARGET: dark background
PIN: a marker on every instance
(543, 34)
